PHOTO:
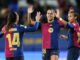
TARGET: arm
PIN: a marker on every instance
(59, 17)
(29, 20)
(26, 29)
(34, 28)
(65, 23)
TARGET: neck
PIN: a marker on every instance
(72, 22)
(50, 21)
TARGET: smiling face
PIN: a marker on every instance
(50, 15)
(71, 17)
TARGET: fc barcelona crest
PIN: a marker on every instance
(50, 30)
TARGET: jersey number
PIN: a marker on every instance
(14, 40)
(78, 41)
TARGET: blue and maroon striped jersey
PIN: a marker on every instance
(50, 34)
(13, 39)
(73, 35)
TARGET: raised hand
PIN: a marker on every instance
(58, 13)
(38, 16)
(30, 9)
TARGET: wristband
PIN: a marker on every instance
(60, 19)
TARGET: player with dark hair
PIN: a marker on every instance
(13, 36)
(50, 34)
(73, 34)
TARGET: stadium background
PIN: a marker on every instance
(32, 41)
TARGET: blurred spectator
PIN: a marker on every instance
(30, 1)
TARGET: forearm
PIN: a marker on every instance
(63, 21)
(58, 15)
(28, 19)
(34, 28)
(36, 25)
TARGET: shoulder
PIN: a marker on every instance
(22, 26)
(75, 25)
(4, 28)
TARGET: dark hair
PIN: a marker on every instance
(76, 14)
(44, 18)
(11, 19)
(50, 9)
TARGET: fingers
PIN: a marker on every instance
(57, 13)
(38, 13)
(38, 16)
(30, 9)
(30, 6)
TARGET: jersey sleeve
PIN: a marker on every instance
(60, 23)
(28, 29)
(73, 25)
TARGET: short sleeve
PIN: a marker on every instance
(73, 25)
(60, 23)
(25, 28)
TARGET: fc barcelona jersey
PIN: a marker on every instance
(13, 39)
(50, 34)
(73, 35)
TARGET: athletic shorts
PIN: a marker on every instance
(49, 52)
(73, 53)
(15, 58)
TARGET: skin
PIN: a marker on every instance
(50, 16)
(64, 37)
(29, 20)
(71, 18)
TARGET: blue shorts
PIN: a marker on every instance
(16, 58)
(49, 52)
(73, 53)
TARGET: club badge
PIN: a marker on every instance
(50, 30)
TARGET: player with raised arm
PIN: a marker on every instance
(13, 36)
(73, 34)
(50, 34)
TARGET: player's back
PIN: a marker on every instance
(13, 41)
